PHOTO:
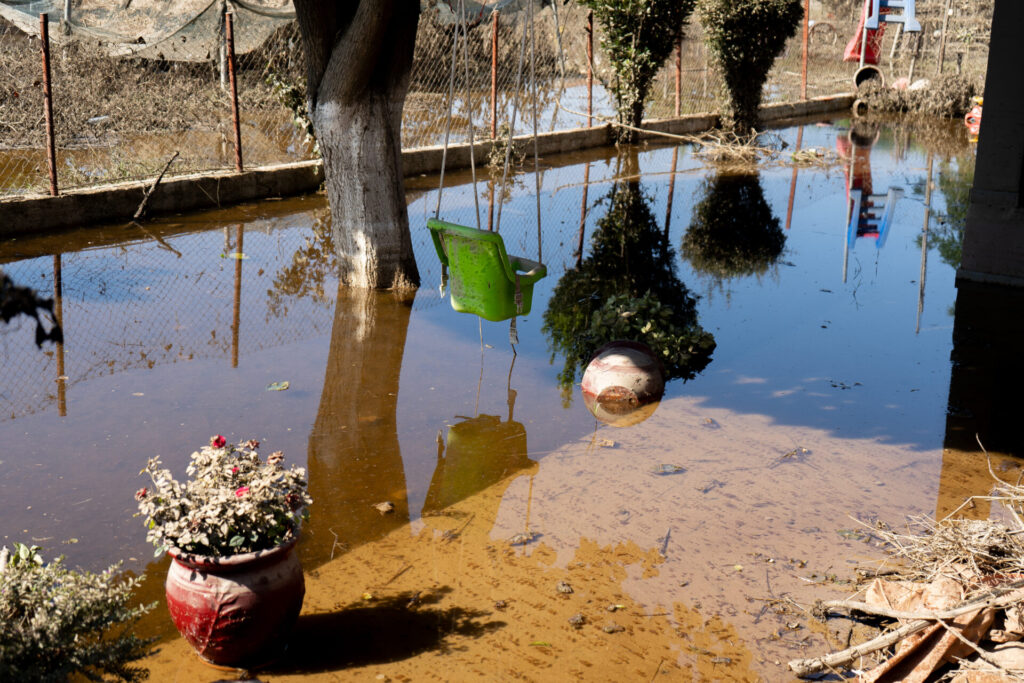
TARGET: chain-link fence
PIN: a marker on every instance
(130, 89)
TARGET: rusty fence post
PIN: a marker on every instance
(803, 67)
(494, 74)
(679, 75)
(230, 39)
(51, 150)
(590, 68)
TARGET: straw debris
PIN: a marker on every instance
(947, 96)
(960, 586)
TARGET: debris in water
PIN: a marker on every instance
(237, 255)
(278, 386)
(385, 507)
(577, 620)
(612, 627)
(667, 468)
(541, 643)
(522, 538)
(606, 443)
(500, 604)
(709, 423)
(615, 608)
(563, 587)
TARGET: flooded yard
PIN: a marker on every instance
(830, 397)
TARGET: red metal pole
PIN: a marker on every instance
(494, 74)
(792, 182)
(679, 75)
(590, 68)
(51, 150)
(230, 35)
(803, 70)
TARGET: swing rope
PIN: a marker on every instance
(469, 106)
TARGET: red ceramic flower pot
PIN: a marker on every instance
(236, 610)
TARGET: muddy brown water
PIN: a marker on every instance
(827, 400)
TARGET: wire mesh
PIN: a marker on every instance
(122, 110)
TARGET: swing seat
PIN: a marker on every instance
(483, 275)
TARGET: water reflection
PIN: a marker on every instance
(733, 232)
(955, 181)
(354, 457)
(627, 285)
(984, 396)
(479, 451)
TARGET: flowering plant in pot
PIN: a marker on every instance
(235, 586)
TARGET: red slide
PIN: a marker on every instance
(852, 51)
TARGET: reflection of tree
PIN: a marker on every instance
(948, 234)
(354, 457)
(631, 269)
(16, 301)
(312, 265)
(733, 232)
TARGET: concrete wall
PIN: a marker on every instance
(993, 249)
(117, 203)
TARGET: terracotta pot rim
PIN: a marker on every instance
(227, 562)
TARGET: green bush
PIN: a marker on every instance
(746, 36)
(56, 622)
(639, 35)
(733, 232)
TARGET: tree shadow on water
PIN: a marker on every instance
(385, 630)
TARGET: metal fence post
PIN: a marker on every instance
(51, 151)
(494, 74)
(230, 36)
(803, 68)
(679, 75)
(590, 68)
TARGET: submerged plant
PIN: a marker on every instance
(233, 502)
(56, 622)
(733, 232)
(746, 36)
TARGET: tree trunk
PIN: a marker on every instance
(359, 56)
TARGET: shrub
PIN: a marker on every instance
(639, 35)
(56, 622)
(746, 36)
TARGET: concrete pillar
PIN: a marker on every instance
(993, 248)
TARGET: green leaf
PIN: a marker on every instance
(236, 541)
(159, 551)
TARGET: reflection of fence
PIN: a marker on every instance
(121, 118)
(135, 305)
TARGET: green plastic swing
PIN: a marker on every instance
(484, 278)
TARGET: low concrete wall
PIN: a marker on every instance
(115, 203)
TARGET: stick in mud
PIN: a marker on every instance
(139, 212)
(1006, 595)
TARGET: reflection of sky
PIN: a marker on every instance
(795, 345)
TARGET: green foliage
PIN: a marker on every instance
(948, 234)
(733, 232)
(746, 36)
(639, 35)
(626, 288)
(56, 622)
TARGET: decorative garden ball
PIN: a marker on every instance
(623, 383)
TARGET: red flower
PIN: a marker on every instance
(234, 470)
(141, 493)
(241, 491)
(218, 441)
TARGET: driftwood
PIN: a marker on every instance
(1001, 597)
(145, 198)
